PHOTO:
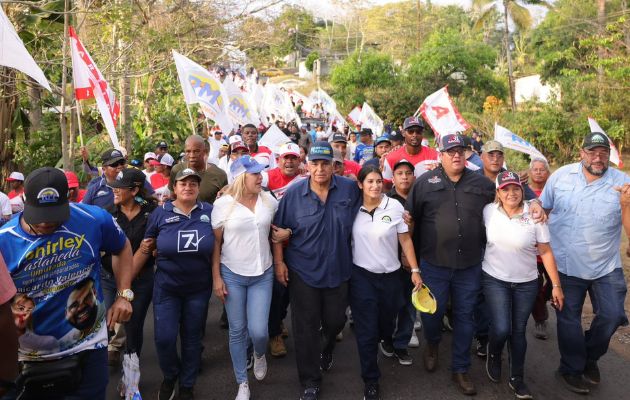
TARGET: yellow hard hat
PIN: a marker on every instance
(423, 300)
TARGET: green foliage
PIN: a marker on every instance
(310, 60)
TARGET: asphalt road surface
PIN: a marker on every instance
(343, 381)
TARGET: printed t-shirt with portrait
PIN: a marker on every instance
(184, 247)
(59, 276)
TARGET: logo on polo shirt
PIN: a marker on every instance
(171, 219)
(387, 219)
(435, 179)
(188, 241)
(204, 218)
(48, 195)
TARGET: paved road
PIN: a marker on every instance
(216, 380)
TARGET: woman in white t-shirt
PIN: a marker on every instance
(510, 277)
(241, 266)
(375, 286)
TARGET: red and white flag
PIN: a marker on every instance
(355, 115)
(89, 83)
(440, 112)
(615, 158)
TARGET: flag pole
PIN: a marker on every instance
(80, 111)
(192, 124)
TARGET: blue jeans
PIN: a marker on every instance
(607, 295)
(247, 306)
(406, 313)
(374, 300)
(94, 379)
(463, 286)
(509, 305)
(142, 287)
(183, 314)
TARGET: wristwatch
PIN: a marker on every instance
(126, 294)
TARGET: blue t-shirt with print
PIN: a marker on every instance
(185, 245)
(59, 309)
(363, 153)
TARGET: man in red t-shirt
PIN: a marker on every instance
(16, 182)
(350, 168)
(262, 154)
(279, 179)
(422, 157)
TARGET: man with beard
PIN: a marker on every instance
(588, 204)
(422, 157)
(82, 307)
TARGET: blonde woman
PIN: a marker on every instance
(510, 277)
(241, 266)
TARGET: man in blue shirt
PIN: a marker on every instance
(365, 149)
(99, 193)
(588, 203)
(317, 261)
(52, 250)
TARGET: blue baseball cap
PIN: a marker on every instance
(382, 139)
(247, 164)
(320, 151)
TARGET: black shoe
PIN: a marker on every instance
(403, 356)
(325, 361)
(371, 392)
(521, 391)
(591, 373)
(493, 367)
(167, 389)
(310, 394)
(185, 393)
(482, 346)
(574, 383)
(387, 348)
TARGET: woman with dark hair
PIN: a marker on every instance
(131, 209)
(375, 284)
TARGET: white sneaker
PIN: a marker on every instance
(260, 367)
(414, 342)
(243, 391)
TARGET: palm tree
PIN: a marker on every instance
(521, 17)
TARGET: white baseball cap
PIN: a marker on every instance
(15, 176)
(166, 159)
(150, 155)
(289, 149)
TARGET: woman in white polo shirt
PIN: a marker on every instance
(375, 286)
(510, 277)
(241, 266)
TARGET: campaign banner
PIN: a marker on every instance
(355, 115)
(615, 158)
(440, 112)
(239, 108)
(318, 96)
(512, 141)
(369, 119)
(273, 138)
(201, 87)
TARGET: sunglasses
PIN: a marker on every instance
(118, 164)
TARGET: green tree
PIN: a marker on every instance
(310, 60)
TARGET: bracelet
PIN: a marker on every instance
(415, 270)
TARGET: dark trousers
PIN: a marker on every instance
(509, 305)
(540, 313)
(317, 315)
(406, 312)
(374, 300)
(607, 295)
(463, 286)
(278, 309)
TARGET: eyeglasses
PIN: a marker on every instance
(456, 150)
(600, 154)
(414, 131)
(118, 164)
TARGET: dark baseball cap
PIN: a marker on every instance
(508, 178)
(111, 156)
(129, 178)
(404, 162)
(46, 195)
(366, 131)
(185, 173)
(410, 122)
(339, 138)
(396, 136)
(320, 151)
(448, 142)
(161, 145)
(595, 139)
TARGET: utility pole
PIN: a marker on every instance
(63, 120)
(508, 54)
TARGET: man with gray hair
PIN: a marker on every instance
(538, 173)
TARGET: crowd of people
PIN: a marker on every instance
(334, 224)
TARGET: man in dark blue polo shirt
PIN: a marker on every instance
(99, 193)
(317, 262)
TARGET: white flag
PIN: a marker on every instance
(355, 115)
(440, 112)
(320, 96)
(13, 54)
(515, 142)
(614, 154)
(369, 119)
(273, 138)
(201, 87)
(239, 108)
(89, 83)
